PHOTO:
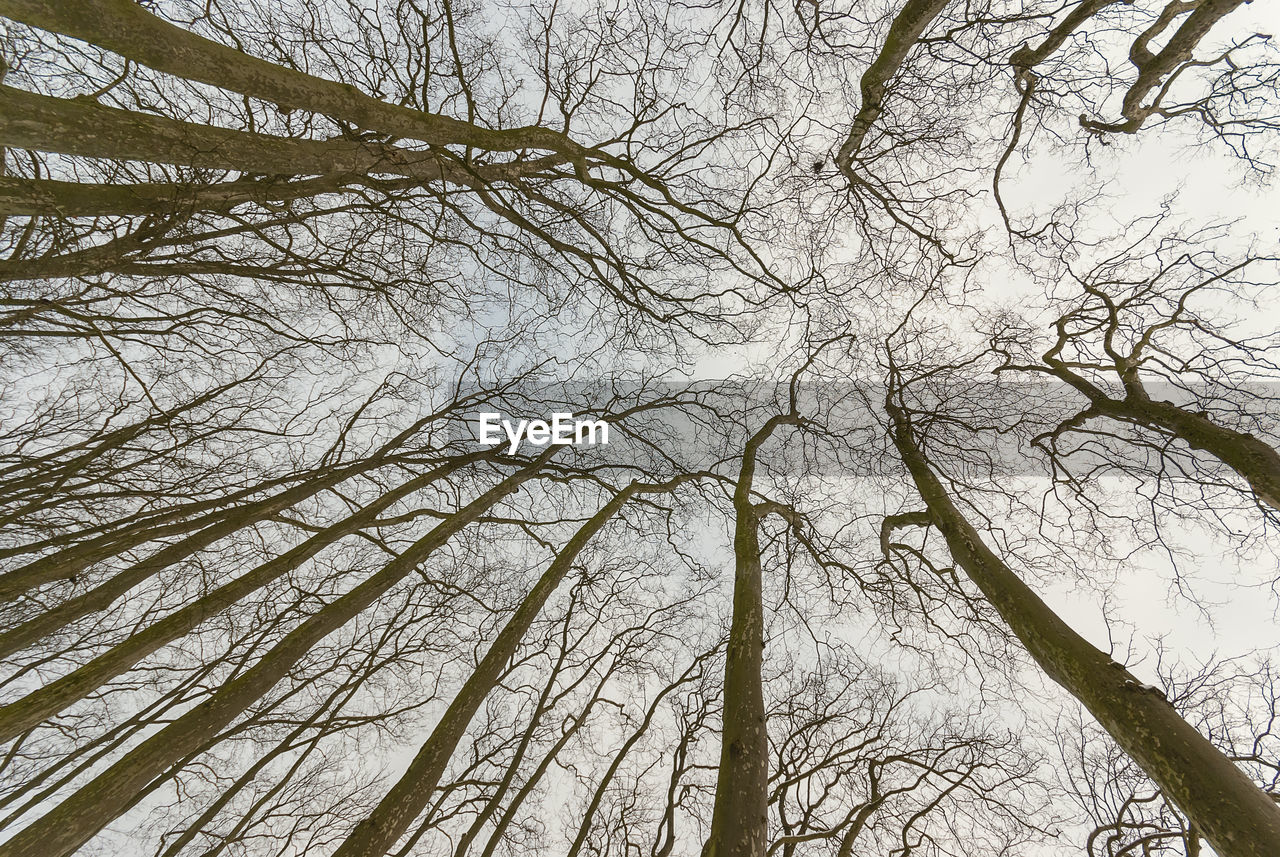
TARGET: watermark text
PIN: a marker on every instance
(562, 430)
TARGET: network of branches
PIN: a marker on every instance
(936, 346)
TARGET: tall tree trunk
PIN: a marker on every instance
(1234, 815)
(74, 821)
(133, 32)
(739, 819)
(49, 197)
(377, 833)
(139, 529)
(18, 716)
(290, 742)
(86, 128)
(102, 595)
(81, 127)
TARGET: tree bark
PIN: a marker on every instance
(74, 821)
(102, 595)
(84, 127)
(376, 834)
(1234, 815)
(131, 31)
(907, 28)
(18, 716)
(739, 818)
(47, 197)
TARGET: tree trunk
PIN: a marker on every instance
(84, 127)
(1233, 814)
(739, 819)
(74, 821)
(17, 717)
(52, 198)
(131, 31)
(377, 833)
(102, 596)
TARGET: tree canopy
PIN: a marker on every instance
(934, 343)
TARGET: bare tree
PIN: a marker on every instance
(887, 308)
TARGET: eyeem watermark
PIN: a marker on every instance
(562, 430)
